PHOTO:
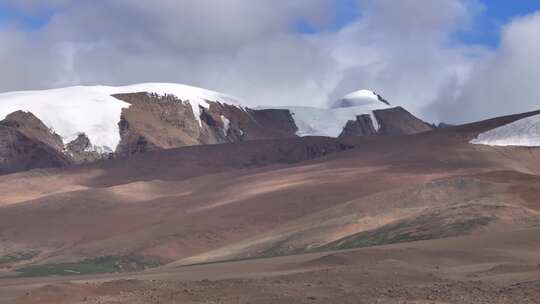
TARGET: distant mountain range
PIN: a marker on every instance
(73, 125)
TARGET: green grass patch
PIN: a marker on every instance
(425, 227)
(18, 256)
(374, 238)
(105, 264)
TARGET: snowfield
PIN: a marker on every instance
(313, 121)
(524, 132)
(93, 111)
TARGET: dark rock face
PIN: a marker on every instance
(398, 121)
(362, 126)
(277, 123)
(381, 99)
(394, 121)
(32, 127)
(79, 144)
(45, 140)
(154, 122)
(81, 150)
(19, 152)
(26, 143)
(238, 124)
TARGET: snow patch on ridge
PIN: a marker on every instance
(376, 124)
(524, 132)
(93, 111)
(226, 124)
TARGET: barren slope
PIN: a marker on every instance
(265, 198)
(493, 268)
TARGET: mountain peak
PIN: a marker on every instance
(360, 98)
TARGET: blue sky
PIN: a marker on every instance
(486, 27)
(28, 21)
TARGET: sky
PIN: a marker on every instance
(444, 60)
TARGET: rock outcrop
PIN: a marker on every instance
(362, 126)
(26, 143)
(81, 150)
(33, 128)
(154, 122)
(398, 121)
(392, 121)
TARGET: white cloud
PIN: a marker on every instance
(405, 50)
(504, 82)
(242, 47)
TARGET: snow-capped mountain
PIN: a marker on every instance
(86, 123)
(347, 117)
(524, 132)
(93, 110)
(359, 98)
(313, 121)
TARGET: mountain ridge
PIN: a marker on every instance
(89, 123)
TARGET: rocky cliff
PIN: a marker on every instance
(154, 122)
(392, 121)
(26, 143)
(398, 121)
(362, 126)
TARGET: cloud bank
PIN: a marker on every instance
(505, 81)
(408, 51)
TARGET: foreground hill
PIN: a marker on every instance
(267, 198)
(492, 268)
